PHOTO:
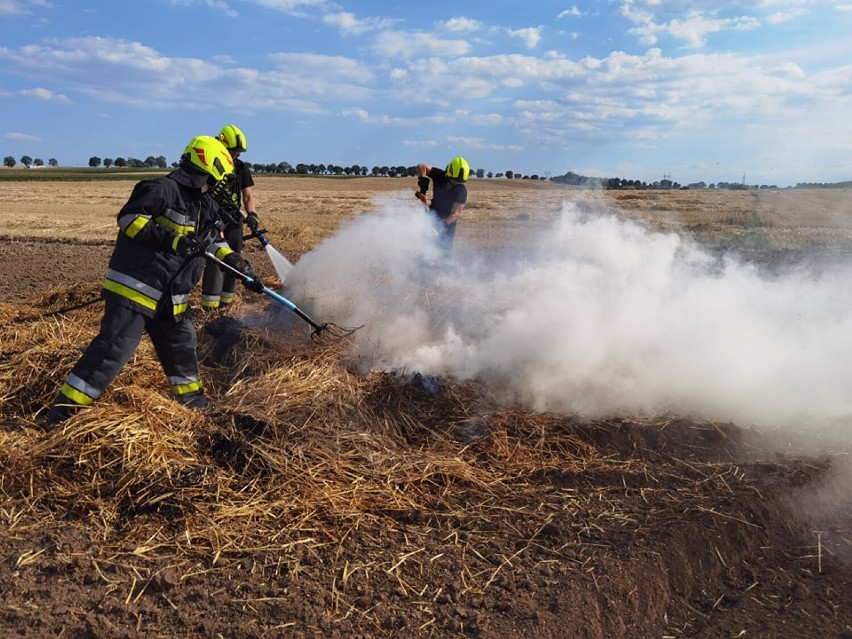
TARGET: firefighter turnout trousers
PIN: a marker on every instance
(218, 289)
(120, 333)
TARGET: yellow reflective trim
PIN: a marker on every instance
(137, 225)
(180, 309)
(76, 396)
(183, 389)
(177, 228)
(131, 294)
(223, 252)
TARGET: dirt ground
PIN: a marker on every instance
(533, 525)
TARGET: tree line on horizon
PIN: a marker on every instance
(160, 162)
(570, 178)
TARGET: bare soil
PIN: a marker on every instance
(534, 525)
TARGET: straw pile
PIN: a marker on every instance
(301, 457)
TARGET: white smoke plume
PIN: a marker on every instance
(602, 316)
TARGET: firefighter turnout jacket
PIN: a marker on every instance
(144, 271)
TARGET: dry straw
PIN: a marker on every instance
(300, 454)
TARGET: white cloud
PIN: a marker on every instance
(220, 6)
(478, 144)
(692, 30)
(22, 137)
(295, 7)
(21, 7)
(462, 25)
(695, 20)
(530, 36)
(786, 16)
(45, 95)
(415, 44)
(349, 24)
(325, 66)
(571, 12)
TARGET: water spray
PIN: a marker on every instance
(280, 263)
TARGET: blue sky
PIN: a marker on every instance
(698, 90)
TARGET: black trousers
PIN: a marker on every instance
(121, 330)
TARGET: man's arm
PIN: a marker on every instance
(248, 200)
(455, 214)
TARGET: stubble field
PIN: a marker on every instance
(319, 501)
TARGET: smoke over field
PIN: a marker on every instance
(597, 315)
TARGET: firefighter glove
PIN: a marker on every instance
(254, 284)
(253, 222)
(423, 184)
(251, 281)
(188, 245)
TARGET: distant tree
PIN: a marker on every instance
(107, 162)
(510, 175)
(9, 161)
(120, 162)
(26, 160)
(284, 167)
(94, 161)
(38, 162)
(152, 162)
(480, 173)
(53, 162)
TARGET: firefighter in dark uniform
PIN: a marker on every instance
(449, 195)
(218, 289)
(164, 228)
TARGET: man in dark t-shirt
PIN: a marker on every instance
(449, 195)
(218, 289)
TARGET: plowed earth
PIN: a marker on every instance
(624, 527)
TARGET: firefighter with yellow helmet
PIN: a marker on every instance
(164, 228)
(218, 289)
(449, 195)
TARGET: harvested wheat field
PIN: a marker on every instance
(614, 414)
